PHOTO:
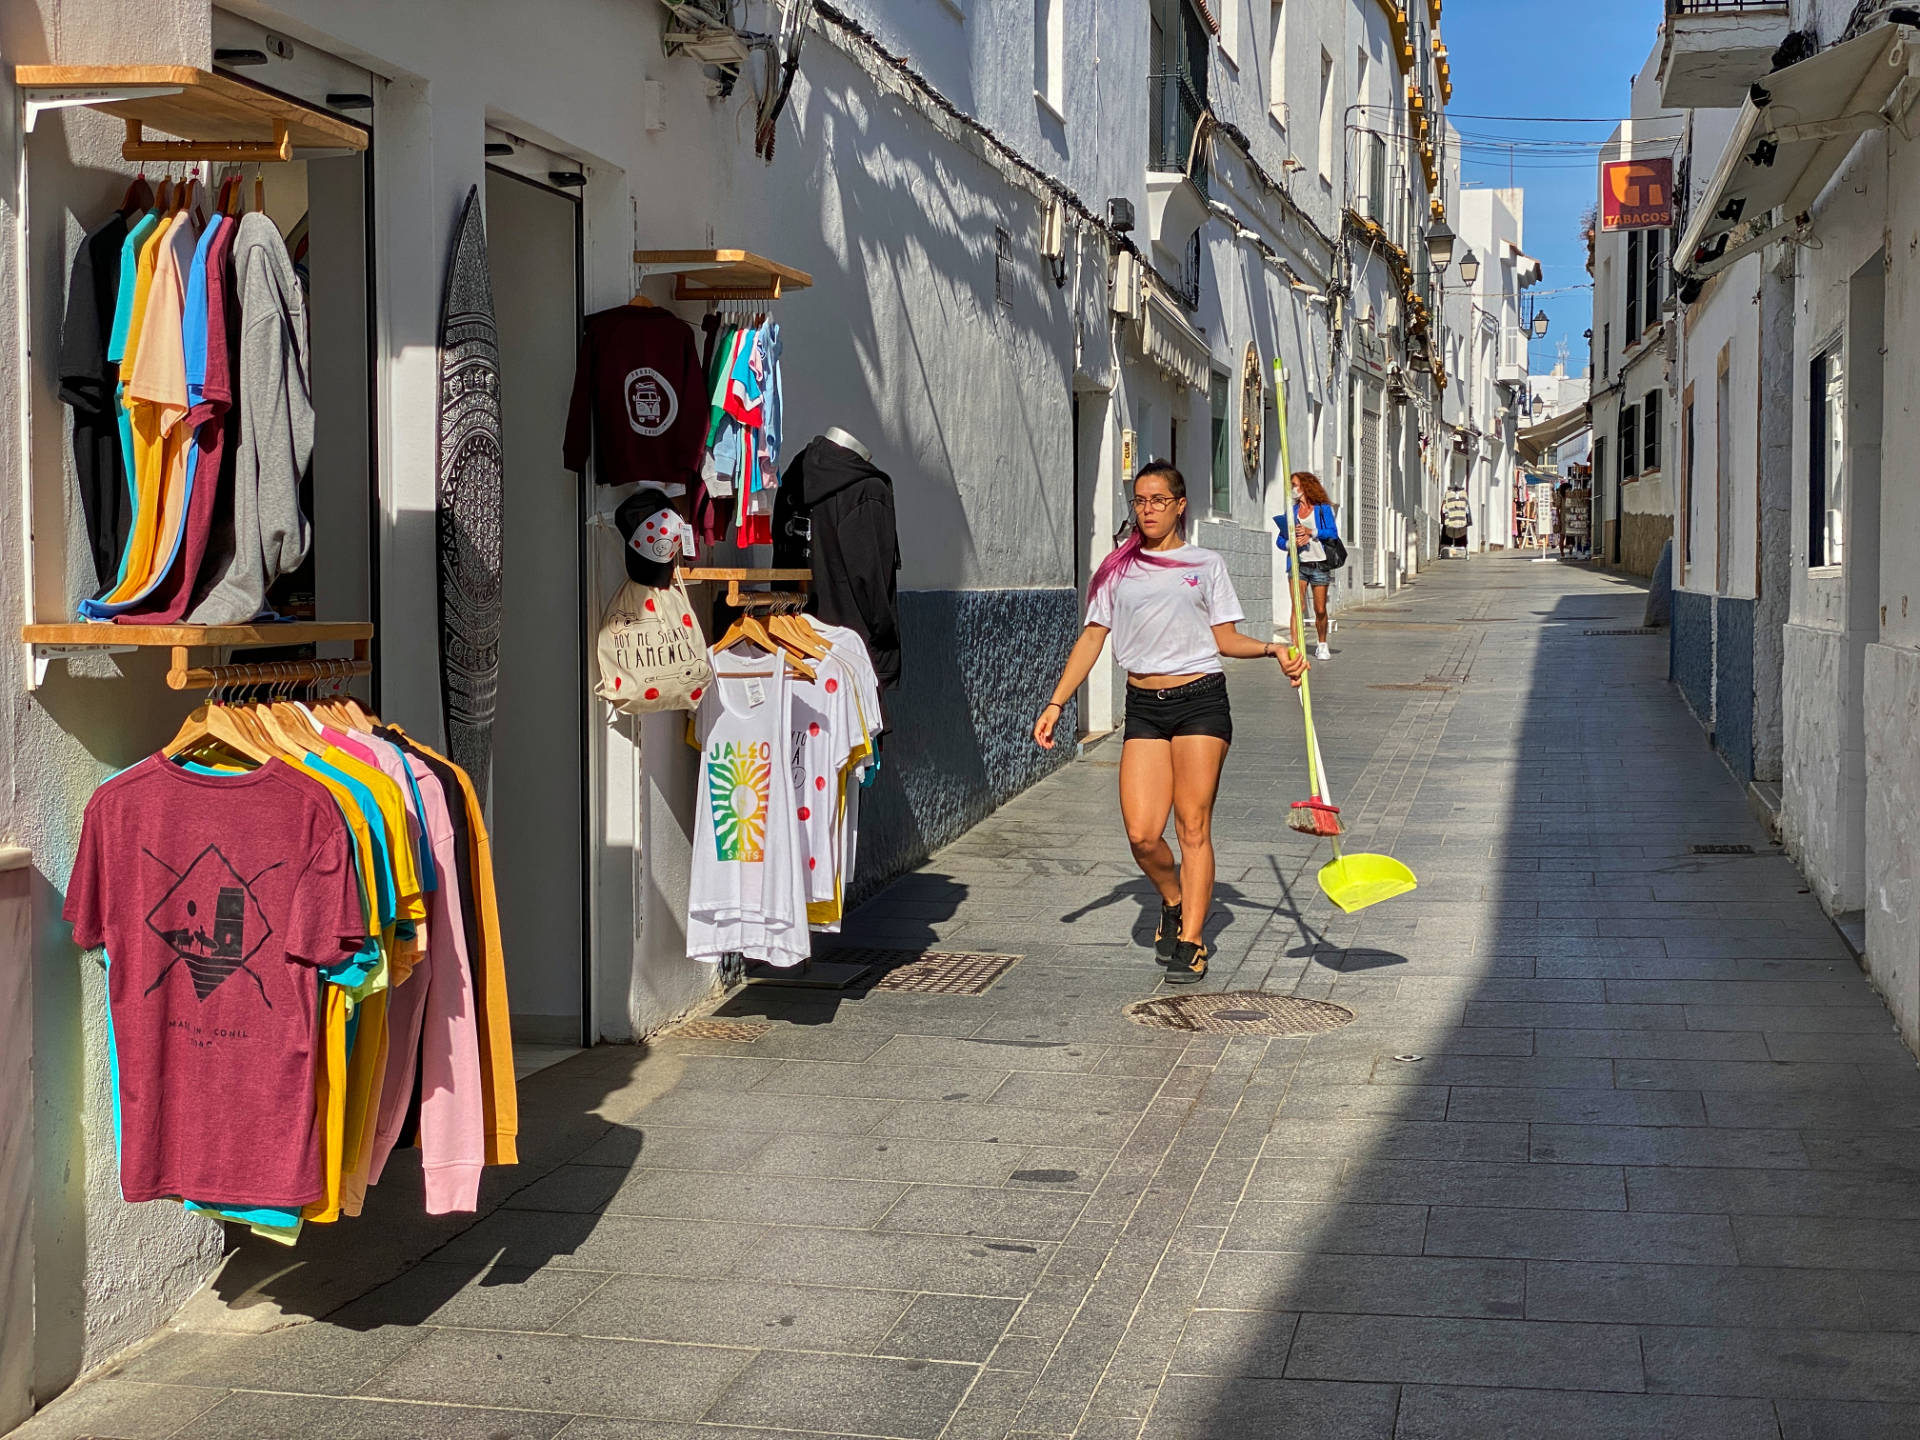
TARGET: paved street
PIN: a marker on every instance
(1619, 1143)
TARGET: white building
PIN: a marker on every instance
(1486, 361)
(1632, 423)
(1795, 635)
(981, 314)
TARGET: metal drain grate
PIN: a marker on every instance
(1633, 630)
(1245, 1013)
(933, 972)
(742, 1032)
(1720, 849)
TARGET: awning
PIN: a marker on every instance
(1555, 430)
(1171, 343)
(1795, 129)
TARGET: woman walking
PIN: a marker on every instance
(1314, 523)
(1171, 611)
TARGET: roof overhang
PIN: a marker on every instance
(1526, 270)
(1171, 343)
(1796, 128)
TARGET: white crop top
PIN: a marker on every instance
(1162, 616)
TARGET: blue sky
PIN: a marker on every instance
(1537, 58)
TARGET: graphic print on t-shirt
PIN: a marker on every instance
(739, 784)
(211, 921)
(651, 403)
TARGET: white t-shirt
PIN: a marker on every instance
(749, 891)
(1162, 616)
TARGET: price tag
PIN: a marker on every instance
(756, 694)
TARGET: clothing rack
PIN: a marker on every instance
(281, 672)
(771, 600)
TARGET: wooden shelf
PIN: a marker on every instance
(722, 274)
(697, 573)
(82, 634)
(208, 112)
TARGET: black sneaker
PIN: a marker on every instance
(1168, 934)
(1189, 963)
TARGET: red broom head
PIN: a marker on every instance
(1315, 817)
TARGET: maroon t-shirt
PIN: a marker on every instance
(216, 896)
(640, 400)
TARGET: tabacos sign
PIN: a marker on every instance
(1636, 194)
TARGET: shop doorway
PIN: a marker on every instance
(539, 735)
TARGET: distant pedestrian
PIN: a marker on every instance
(1456, 519)
(1171, 611)
(1315, 522)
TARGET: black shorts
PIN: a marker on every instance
(1196, 709)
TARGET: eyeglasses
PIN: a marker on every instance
(1153, 502)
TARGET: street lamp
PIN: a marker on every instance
(1440, 240)
(1540, 325)
(1469, 268)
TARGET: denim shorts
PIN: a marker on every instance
(1315, 574)
(1199, 708)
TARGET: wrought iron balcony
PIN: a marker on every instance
(1715, 49)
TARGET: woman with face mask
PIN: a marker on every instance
(1172, 613)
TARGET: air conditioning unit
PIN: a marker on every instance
(1128, 280)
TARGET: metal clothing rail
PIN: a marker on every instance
(282, 672)
(755, 599)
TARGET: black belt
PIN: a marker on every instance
(1186, 691)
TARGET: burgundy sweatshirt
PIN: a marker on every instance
(639, 399)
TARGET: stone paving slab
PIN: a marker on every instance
(1619, 1142)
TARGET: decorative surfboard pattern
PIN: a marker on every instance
(469, 501)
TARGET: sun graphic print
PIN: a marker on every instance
(739, 785)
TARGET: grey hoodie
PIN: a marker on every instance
(273, 393)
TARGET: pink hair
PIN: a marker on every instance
(1131, 552)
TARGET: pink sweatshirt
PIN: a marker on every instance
(432, 1018)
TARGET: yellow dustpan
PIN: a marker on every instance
(1353, 882)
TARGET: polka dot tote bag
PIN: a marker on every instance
(652, 654)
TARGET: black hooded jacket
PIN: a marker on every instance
(834, 511)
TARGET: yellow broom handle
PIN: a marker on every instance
(1294, 585)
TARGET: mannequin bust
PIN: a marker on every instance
(846, 441)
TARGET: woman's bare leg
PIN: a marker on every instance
(1320, 611)
(1146, 799)
(1196, 780)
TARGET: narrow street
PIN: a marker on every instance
(1619, 1142)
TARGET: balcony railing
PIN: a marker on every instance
(1721, 7)
(1177, 106)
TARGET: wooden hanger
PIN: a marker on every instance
(796, 634)
(259, 190)
(163, 197)
(214, 723)
(642, 302)
(748, 628)
(139, 194)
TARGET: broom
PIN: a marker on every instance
(1315, 815)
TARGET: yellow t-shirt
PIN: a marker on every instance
(145, 528)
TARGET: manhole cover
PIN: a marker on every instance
(1250, 1013)
(743, 1032)
(1635, 630)
(1720, 849)
(935, 972)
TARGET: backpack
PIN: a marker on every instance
(653, 655)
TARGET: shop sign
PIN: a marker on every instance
(1636, 194)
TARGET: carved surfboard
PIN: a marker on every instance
(468, 509)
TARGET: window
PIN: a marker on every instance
(1003, 267)
(1654, 290)
(1599, 460)
(1233, 24)
(1684, 510)
(1178, 51)
(1326, 117)
(1629, 443)
(1650, 433)
(1606, 348)
(1827, 459)
(1049, 51)
(1277, 63)
(1374, 203)
(1217, 395)
(1636, 278)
